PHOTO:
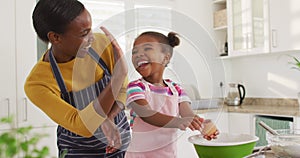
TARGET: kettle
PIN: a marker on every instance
(236, 94)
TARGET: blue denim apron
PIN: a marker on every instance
(75, 146)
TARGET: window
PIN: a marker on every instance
(126, 19)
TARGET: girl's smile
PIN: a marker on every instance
(147, 58)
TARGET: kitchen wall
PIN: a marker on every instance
(264, 76)
(194, 61)
(267, 75)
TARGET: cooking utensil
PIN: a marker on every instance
(274, 132)
(226, 145)
(268, 128)
(286, 144)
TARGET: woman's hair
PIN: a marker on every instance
(54, 15)
(171, 40)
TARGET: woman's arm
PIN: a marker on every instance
(42, 90)
(47, 98)
(117, 107)
(107, 97)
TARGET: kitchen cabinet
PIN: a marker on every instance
(26, 57)
(263, 26)
(247, 27)
(241, 123)
(18, 56)
(220, 25)
(284, 25)
(7, 59)
(296, 122)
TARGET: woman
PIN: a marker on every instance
(78, 82)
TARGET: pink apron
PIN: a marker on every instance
(150, 141)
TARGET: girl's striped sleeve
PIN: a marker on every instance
(135, 91)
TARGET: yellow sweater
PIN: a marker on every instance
(42, 89)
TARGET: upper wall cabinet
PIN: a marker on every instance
(247, 27)
(284, 25)
(263, 26)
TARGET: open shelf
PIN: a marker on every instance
(221, 28)
(219, 1)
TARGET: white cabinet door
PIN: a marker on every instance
(296, 123)
(241, 123)
(284, 25)
(248, 27)
(7, 60)
(26, 41)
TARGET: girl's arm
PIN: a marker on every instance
(144, 111)
(186, 111)
(197, 123)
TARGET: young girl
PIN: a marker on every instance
(159, 106)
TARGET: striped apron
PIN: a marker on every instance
(71, 145)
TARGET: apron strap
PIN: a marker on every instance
(169, 84)
(57, 73)
(172, 87)
(99, 60)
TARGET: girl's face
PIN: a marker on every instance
(78, 36)
(147, 56)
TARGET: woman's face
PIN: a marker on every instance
(78, 36)
(147, 56)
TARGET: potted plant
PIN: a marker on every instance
(20, 142)
(296, 65)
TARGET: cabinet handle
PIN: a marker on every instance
(274, 38)
(25, 110)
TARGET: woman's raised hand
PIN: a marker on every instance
(120, 62)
